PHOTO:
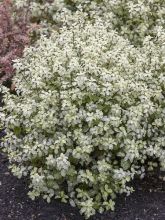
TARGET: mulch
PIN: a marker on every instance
(146, 203)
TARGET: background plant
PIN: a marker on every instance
(13, 37)
(132, 19)
(43, 12)
(135, 19)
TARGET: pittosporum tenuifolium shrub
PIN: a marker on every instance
(133, 19)
(89, 111)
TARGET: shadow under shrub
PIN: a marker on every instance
(88, 113)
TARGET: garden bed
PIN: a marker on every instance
(146, 203)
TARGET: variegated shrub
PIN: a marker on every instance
(88, 113)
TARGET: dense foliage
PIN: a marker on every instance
(132, 19)
(89, 109)
(13, 38)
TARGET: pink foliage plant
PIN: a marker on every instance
(14, 36)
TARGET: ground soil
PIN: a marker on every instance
(146, 203)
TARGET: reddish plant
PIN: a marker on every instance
(14, 36)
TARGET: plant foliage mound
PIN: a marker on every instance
(88, 113)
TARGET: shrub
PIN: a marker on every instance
(13, 38)
(88, 113)
(135, 19)
(132, 19)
